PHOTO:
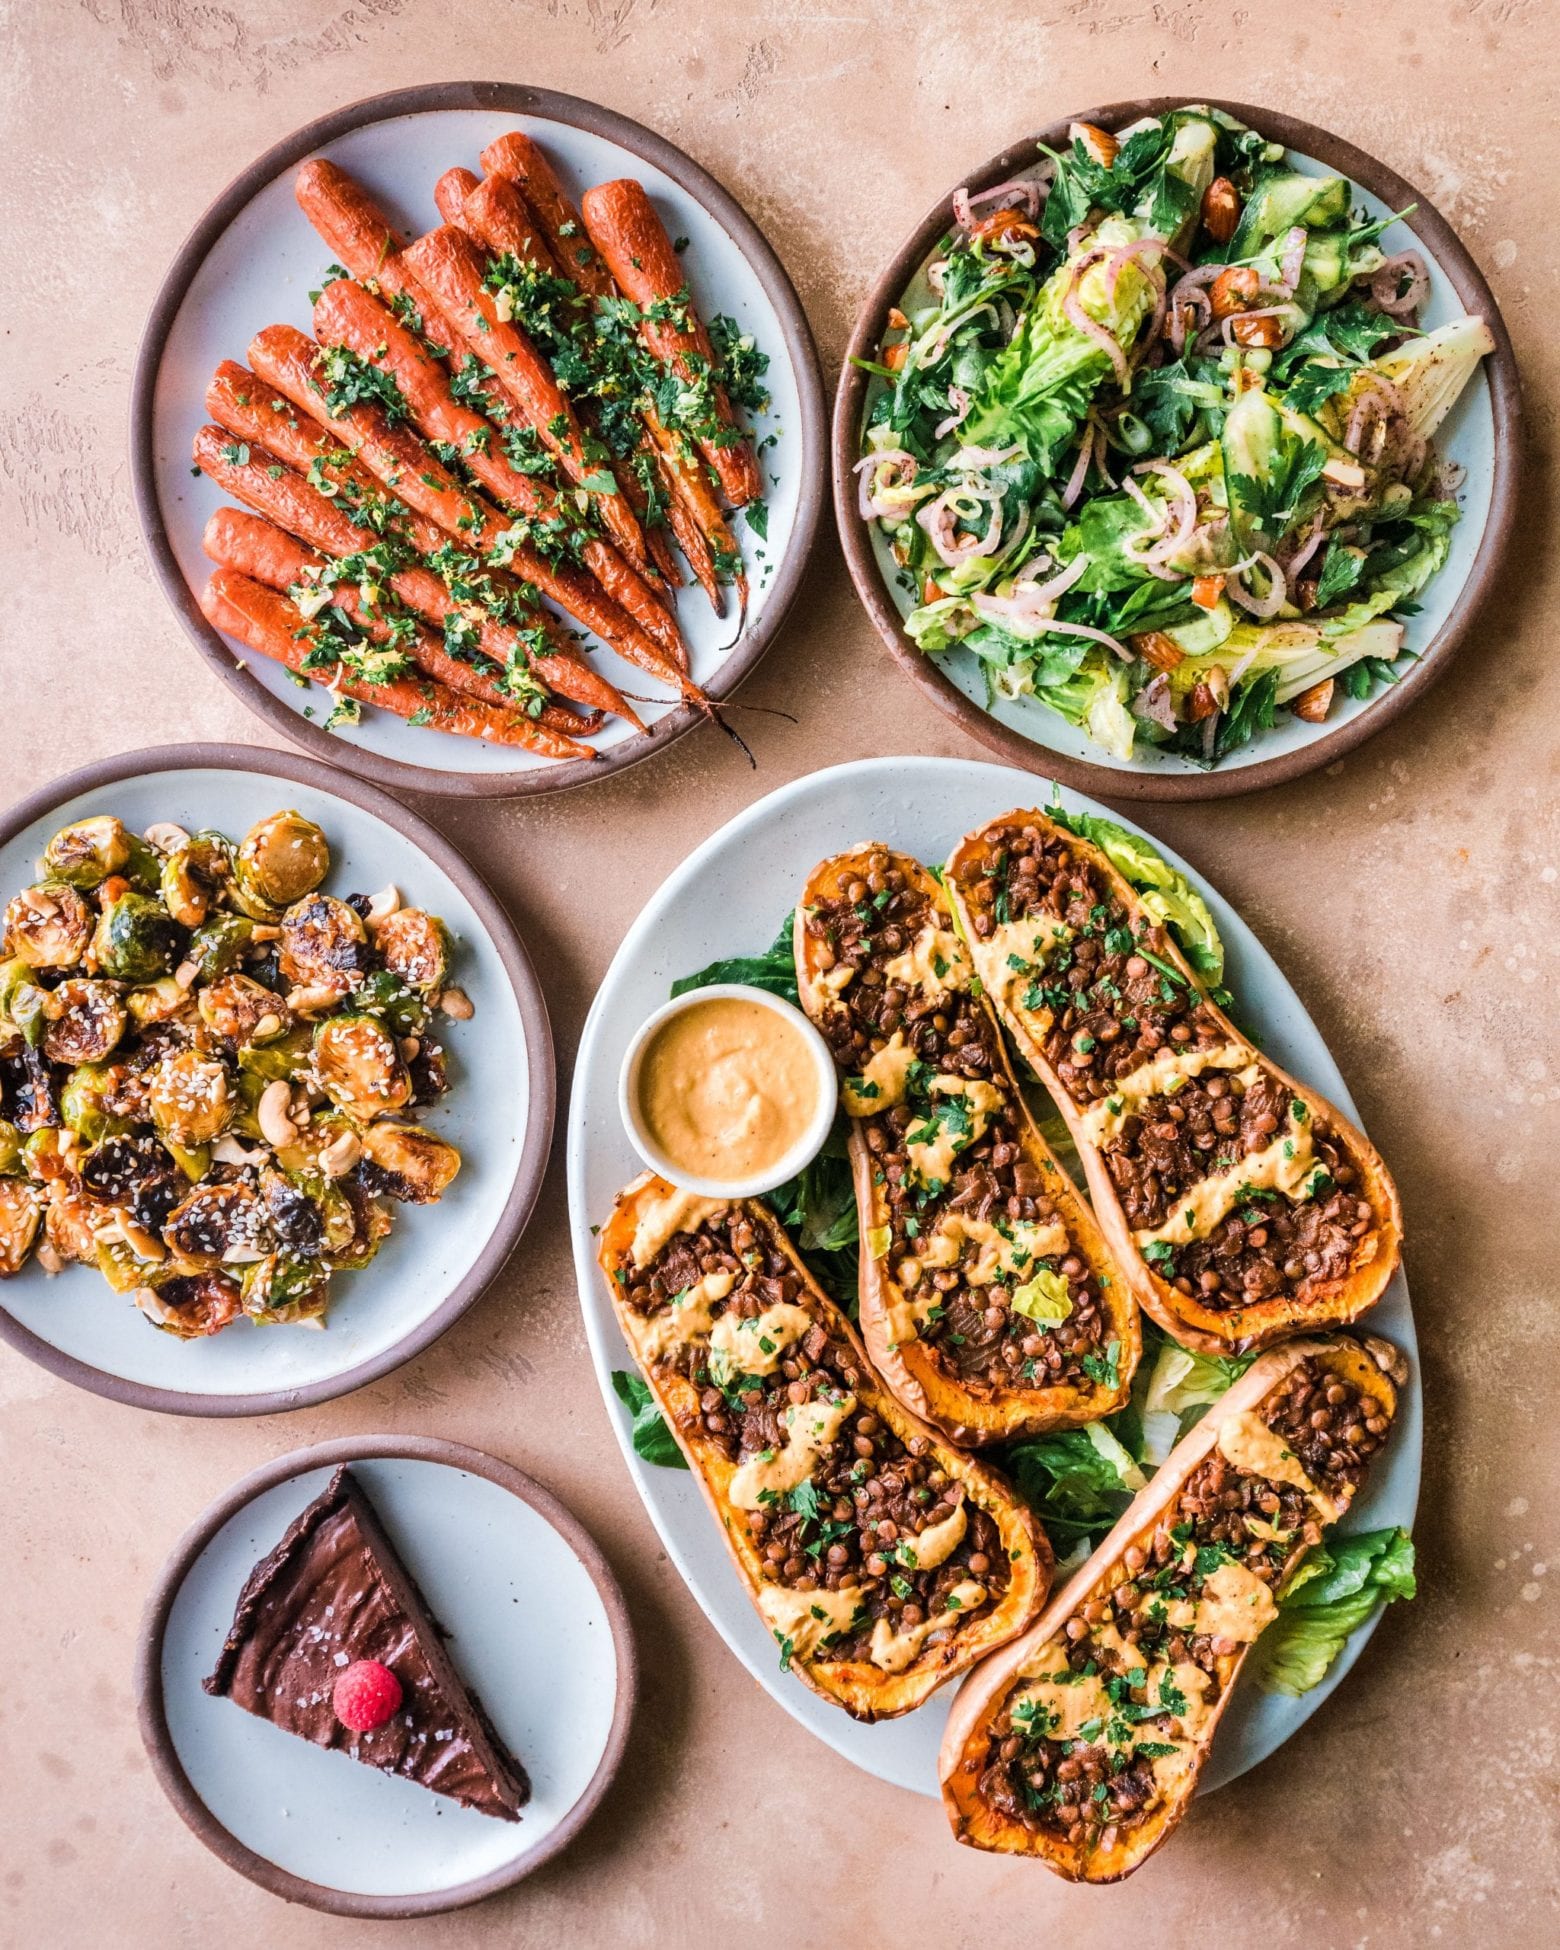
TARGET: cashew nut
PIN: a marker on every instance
(338, 1158)
(186, 973)
(457, 1004)
(230, 1150)
(141, 1242)
(271, 1114)
(269, 1025)
(382, 905)
(166, 837)
(48, 1258)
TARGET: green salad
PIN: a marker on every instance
(1159, 449)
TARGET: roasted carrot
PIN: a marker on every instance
(646, 635)
(518, 158)
(235, 539)
(273, 627)
(255, 475)
(632, 240)
(450, 192)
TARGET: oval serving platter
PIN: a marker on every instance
(1482, 435)
(537, 1626)
(498, 1112)
(253, 260)
(729, 898)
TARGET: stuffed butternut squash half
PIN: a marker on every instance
(1082, 1742)
(1243, 1205)
(989, 1302)
(882, 1560)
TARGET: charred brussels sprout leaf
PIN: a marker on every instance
(416, 947)
(84, 854)
(407, 1162)
(135, 939)
(49, 926)
(11, 1160)
(84, 1102)
(192, 879)
(219, 1222)
(190, 1306)
(85, 1021)
(359, 1067)
(282, 859)
(387, 996)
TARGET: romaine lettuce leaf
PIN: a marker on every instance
(1335, 1589)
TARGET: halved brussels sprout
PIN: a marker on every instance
(280, 1290)
(190, 1306)
(21, 1213)
(409, 1163)
(218, 946)
(371, 1227)
(12, 1163)
(191, 1098)
(192, 878)
(48, 926)
(386, 995)
(84, 1021)
(416, 947)
(282, 859)
(29, 1086)
(159, 1001)
(219, 1222)
(85, 1103)
(24, 1002)
(135, 1172)
(240, 1010)
(68, 1223)
(294, 1217)
(135, 940)
(85, 853)
(359, 1067)
(282, 1060)
(324, 944)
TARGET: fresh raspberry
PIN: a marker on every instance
(366, 1695)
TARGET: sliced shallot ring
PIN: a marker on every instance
(1261, 607)
(1079, 319)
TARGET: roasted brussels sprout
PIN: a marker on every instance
(135, 940)
(69, 1222)
(159, 1001)
(294, 1217)
(371, 1227)
(85, 1105)
(48, 926)
(219, 1222)
(192, 877)
(407, 1162)
(387, 996)
(280, 1289)
(415, 946)
(218, 946)
(84, 1021)
(29, 1090)
(359, 1067)
(24, 1001)
(324, 945)
(283, 1059)
(239, 1010)
(191, 1098)
(136, 1172)
(12, 1163)
(282, 859)
(21, 1212)
(48, 1154)
(84, 854)
(190, 1306)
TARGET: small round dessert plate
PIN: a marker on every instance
(536, 1627)
(498, 1112)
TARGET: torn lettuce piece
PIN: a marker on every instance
(1331, 1593)
(1167, 895)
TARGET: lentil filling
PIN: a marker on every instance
(1235, 1197)
(1087, 1747)
(961, 1284)
(846, 1528)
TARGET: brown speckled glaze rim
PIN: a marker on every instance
(535, 1027)
(762, 260)
(1111, 782)
(158, 1740)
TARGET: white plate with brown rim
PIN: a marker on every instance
(729, 898)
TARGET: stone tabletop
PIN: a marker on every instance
(1409, 892)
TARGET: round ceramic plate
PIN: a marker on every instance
(498, 1111)
(537, 1627)
(252, 261)
(730, 898)
(1482, 435)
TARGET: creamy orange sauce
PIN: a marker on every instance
(726, 1088)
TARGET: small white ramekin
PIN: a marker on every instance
(801, 1153)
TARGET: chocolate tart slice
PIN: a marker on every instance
(333, 1592)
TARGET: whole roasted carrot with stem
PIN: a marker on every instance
(254, 475)
(273, 627)
(628, 616)
(235, 539)
(633, 243)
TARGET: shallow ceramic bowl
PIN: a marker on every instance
(253, 259)
(537, 1627)
(498, 1111)
(725, 900)
(1482, 435)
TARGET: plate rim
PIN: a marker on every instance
(1085, 775)
(758, 254)
(587, 1273)
(536, 1142)
(151, 1714)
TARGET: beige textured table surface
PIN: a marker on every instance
(1410, 894)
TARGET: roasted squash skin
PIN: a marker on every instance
(977, 1410)
(983, 1795)
(635, 1240)
(1304, 1302)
